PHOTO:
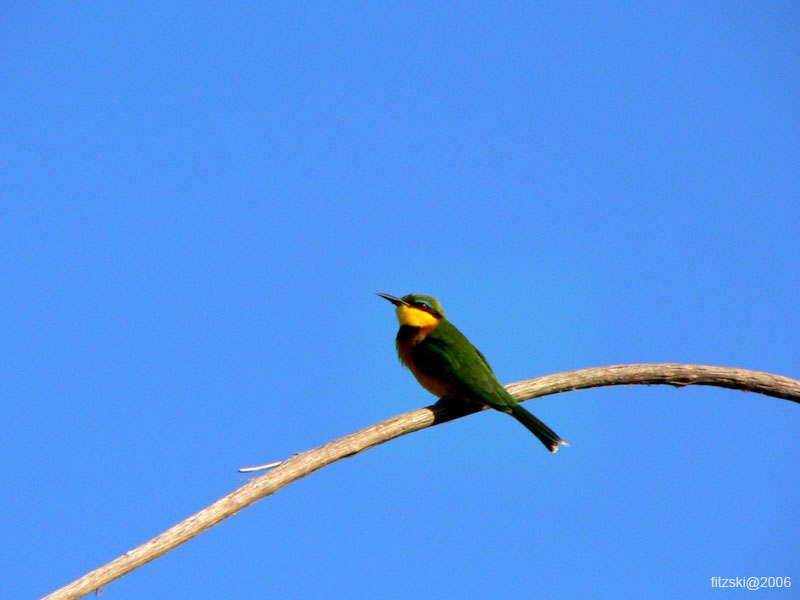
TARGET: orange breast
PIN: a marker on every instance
(435, 386)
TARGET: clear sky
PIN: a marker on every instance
(200, 201)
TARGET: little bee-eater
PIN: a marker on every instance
(447, 364)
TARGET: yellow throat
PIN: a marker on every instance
(414, 317)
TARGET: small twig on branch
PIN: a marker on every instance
(307, 462)
(265, 467)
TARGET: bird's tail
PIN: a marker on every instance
(546, 435)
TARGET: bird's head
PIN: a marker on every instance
(416, 310)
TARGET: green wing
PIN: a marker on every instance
(447, 355)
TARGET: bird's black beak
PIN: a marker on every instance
(394, 300)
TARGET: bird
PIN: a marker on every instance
(446, 364)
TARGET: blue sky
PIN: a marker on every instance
(201, 200)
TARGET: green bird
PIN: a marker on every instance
(446, 364)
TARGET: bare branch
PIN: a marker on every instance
(659, 373)
(305, 463)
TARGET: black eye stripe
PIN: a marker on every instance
(425, 306)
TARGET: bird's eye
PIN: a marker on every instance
(422, 303)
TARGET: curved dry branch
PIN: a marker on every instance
(303, 464)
